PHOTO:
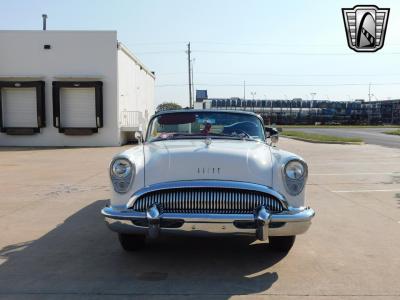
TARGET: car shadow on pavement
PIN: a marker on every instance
(82, 257)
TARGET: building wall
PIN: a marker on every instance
(73, 54)
(136, 91)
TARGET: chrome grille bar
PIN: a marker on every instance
(206, 200)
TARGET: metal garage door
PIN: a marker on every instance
(78, 108)
(19, 107)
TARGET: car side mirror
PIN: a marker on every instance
(272, 134)
(139, 137)
(274, 139)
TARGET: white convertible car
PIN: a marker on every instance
(207, 172)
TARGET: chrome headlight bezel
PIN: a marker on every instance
(294, 186)
(122, 181)
(295, 169)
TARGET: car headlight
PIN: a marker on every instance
(295, 176)
(121, 172)
(294, 169)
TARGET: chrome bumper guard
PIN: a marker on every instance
(262, 223)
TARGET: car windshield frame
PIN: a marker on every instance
(177, 136)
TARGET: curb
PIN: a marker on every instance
(323, 142)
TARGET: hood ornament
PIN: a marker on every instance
(208, 141)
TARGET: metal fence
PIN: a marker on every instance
(131, 119)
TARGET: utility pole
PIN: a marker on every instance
(190, 75)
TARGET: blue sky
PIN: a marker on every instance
(272, 45)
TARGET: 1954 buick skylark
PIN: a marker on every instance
(208, 172)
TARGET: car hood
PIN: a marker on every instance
(236, 160)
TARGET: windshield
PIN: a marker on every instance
(184, 125)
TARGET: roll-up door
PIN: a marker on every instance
(77, 106)
(19, 107)
(22, 107)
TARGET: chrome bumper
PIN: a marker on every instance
(262, 224)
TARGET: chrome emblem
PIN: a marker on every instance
(365, 27)
(208, 170)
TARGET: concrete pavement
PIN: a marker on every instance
(54, 243)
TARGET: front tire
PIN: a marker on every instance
(132, 242)
(282, 243)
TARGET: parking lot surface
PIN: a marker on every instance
(374, 136)
(54, 243)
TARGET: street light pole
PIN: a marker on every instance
(192, 71)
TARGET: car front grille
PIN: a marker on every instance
(207, 200)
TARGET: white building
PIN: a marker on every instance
(71, 88)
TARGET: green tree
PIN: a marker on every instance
(168, 106)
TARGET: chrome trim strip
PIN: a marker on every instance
(207, 184)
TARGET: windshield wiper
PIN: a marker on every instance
(172, 136)
(233, 136)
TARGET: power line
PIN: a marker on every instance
(242, 44)
(161, 52)
(260, 53)
(285, 74)
(278, 85)
(266, 44)
(287, 53)
(159, 43)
